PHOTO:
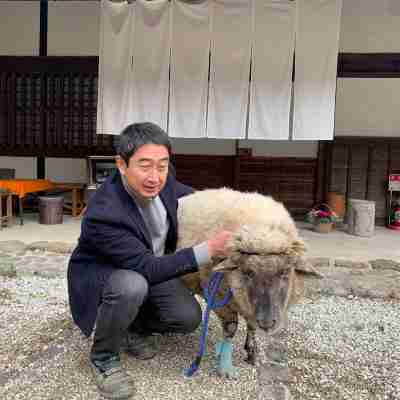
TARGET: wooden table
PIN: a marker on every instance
(21, 187)
(78, 192)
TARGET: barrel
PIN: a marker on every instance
(361, 217)
(51, 210)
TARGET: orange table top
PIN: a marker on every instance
(22, 187)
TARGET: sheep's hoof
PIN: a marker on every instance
(228, 373)
(251, 359)
(224, 353)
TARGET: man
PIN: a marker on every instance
(123, 275)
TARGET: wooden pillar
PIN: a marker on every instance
(44, 10)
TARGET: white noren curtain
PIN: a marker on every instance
(231, 27)
(272, 64)
(116, 25)
(189, 69)
(151, 53)
(317, 42)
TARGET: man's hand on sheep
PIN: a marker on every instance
(218, 244)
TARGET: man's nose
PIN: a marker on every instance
(154, 174)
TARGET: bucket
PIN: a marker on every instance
(337, 203)
(51, 210)
(361, 217)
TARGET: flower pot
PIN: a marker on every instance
(337, 203)
(323, 228)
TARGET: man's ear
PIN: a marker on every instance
(121, 165)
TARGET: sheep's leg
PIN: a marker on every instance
(251, 346)
(229, 321)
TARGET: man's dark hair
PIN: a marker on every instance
(139, 134)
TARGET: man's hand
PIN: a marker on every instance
(217, 245)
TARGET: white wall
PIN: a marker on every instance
(66, 170)
(73, 28)
(19, 28)
(278, 148)
(203, 146)
(57, 169)
(370, 34)
(368, 107)
(25, 167)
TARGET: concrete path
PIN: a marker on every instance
(385, 244)
(32, 231)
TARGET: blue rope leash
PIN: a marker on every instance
(209, 295)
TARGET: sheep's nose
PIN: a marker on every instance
(266, 324)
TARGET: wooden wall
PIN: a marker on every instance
(290, 180)
(359, 168)
(48, 107)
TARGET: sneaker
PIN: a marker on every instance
(112, 380)
(142, 347)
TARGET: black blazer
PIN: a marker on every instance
(114, 235)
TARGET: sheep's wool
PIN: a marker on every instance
(262, 224)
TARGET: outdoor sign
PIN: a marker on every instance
(394, 182)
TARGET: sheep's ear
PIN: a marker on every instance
(305, 267)
(228, 264)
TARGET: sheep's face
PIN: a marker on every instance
(263, 286)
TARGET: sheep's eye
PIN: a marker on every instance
(284, 276)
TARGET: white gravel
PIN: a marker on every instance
(345, 349)
(337, 349)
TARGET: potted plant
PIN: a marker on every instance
(322, 217)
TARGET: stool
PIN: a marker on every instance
(8, 217)
(51, 210)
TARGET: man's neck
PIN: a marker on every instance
(142, 201)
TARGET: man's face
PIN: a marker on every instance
(147, 171)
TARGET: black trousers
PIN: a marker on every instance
(129, 303)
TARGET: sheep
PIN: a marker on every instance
(264, 271)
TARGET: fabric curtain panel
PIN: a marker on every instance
(272, 64)
(189, 69)
(151, 57)
(317, 42)
(231, 27)
(116, 26)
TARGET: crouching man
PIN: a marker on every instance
(123, 274)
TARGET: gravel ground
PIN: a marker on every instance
(337, 348)
(345, 349)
